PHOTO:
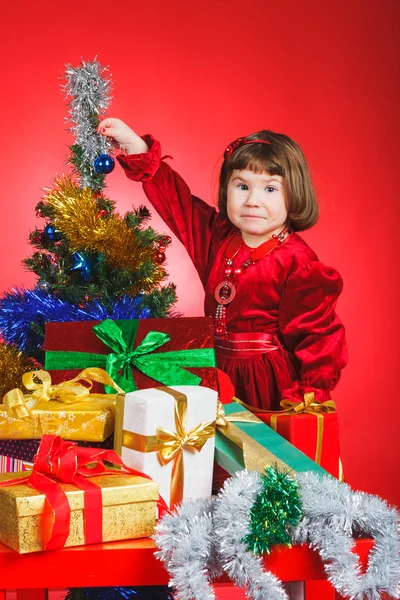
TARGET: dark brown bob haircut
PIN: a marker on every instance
(282, 156)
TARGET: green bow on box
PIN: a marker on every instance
(165, 367)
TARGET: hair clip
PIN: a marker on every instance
(242, 141)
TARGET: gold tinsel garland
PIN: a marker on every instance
(76, 215)
(13, 364)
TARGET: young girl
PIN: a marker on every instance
(273, 302)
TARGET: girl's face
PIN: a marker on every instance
(256, 205)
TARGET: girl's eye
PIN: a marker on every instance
(270, 189)
(243, 186)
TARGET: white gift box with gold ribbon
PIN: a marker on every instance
(169, 434)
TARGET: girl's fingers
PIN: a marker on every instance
(109, 126)
(109, 122)
(108, 131)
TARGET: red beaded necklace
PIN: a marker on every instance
(226, 290)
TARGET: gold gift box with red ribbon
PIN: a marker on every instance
(67, 409)
(55, 506)
(129, 511)
(312, 427)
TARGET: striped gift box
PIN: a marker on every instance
(13, 465)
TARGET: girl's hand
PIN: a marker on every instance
(123, 135)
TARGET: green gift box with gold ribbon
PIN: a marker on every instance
(243, 441)
(137, 353)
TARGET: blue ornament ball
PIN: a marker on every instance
(104, 164)
(51, 233)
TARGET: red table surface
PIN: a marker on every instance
(133, 563)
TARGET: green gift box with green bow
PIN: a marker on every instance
(138, 354)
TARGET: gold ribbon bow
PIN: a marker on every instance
(19, 405)
(308, 407)
(170, 444)
(255, 456)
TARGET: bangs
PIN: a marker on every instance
(257, 158)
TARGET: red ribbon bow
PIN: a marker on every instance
(60, 461)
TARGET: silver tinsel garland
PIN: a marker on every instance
(333, 512)
(186, 542)
(231, 524)
(204, 537)
(88, 88)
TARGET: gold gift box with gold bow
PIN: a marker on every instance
(128, 511)
(67, 409)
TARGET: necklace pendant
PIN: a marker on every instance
(220, 322)
(225, 292)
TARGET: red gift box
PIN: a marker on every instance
(317, 435)
(64, 343)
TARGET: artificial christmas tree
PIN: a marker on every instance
(91, 263)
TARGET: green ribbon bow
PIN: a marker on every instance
(165, 367)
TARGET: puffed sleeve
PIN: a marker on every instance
(192, 220)
(312, 331)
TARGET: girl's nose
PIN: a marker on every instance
(252, 199)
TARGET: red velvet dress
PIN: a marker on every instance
(288, 293)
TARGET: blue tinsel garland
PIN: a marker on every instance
(23, 314)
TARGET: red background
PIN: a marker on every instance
(198, 75)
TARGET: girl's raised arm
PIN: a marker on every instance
(195, 223)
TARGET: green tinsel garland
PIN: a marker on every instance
(277, 506)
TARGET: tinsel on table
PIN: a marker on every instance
(120, 593)
(88, 88)
(232, 524)
(333, 513)
(199, 539)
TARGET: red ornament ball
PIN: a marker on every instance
(53, 259)
(160, 258)
(219, 330)
(165, 240)
(102, 213)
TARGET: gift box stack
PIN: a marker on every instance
(66, 402)
(167, 423)
(147, 352)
